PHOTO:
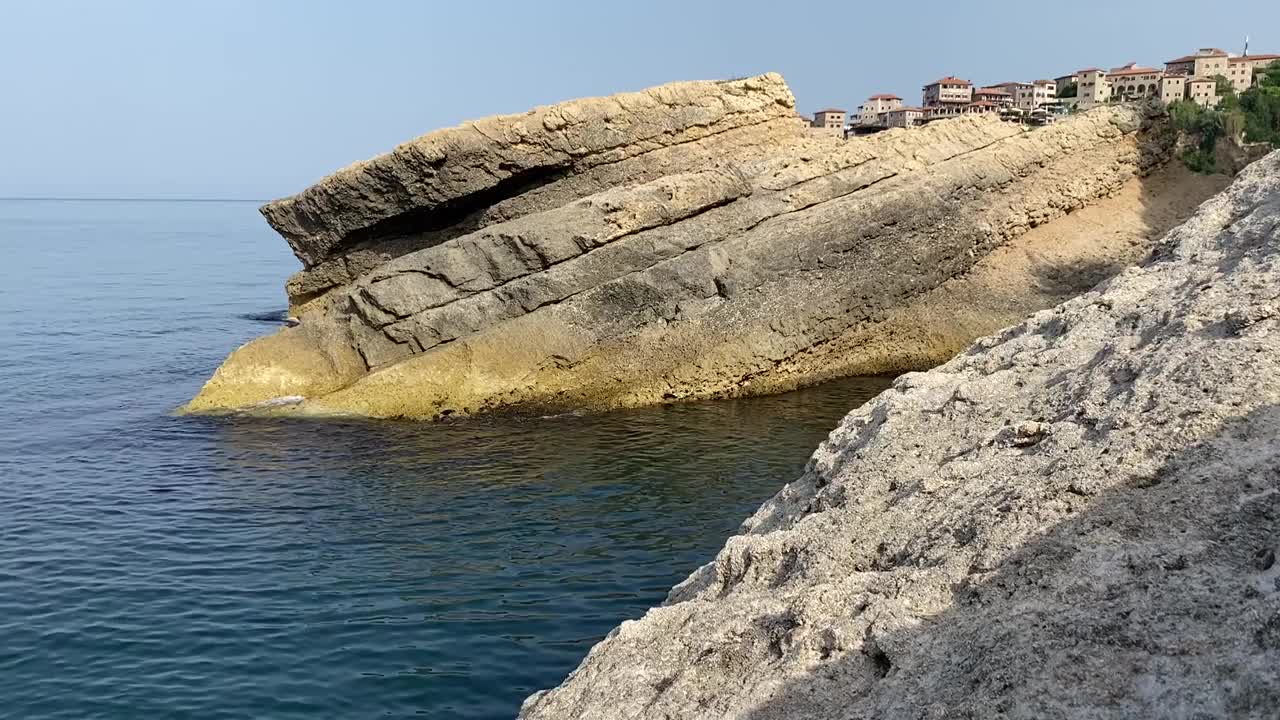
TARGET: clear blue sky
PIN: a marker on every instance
(259, 98)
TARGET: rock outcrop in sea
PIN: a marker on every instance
(689, 241)
(1078, 517)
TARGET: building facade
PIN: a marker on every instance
(1028, 96)
(1240, 69)
(1202, 91)
(873, 110)
(1206, 62)
(995, 95)
(1019, 92)
(1093, 88)
(1044, 93)
(904, 117)
(1132, 82)
(830, 121)
(1172, 88)
(948, 91)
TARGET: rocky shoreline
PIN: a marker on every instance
(688, 241)
(1078, 517)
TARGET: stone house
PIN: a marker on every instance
(903, 117)
(998, 96)
(830, 121)
(1206, 62)
(1093, 88)
(873, 110)
(1240, 69)
(1172, 87)
(1028, 96)
(948, 91)
(1044, 93)
(1203, 91)
(1132, 82)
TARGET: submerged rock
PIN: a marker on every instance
(689, 241)
(1075, 518)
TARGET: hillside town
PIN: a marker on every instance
(1193, 78)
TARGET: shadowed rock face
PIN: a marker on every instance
(454, 181)
(1078, 517)
(691, 240)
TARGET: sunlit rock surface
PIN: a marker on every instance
(689, 241)
(1078, 517)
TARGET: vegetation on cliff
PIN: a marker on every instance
(582, 256)
(1075, 518)
(1252, 116)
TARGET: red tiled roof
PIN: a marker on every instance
(1213, 53)
(884, 96)
(1089, 70)
(1132, 70)
(1252, 58)
(950, 80)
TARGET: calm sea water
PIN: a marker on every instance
(157, 566)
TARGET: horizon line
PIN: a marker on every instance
(43, 198)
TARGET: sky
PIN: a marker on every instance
(257, 99)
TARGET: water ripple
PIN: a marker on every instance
(159, 566)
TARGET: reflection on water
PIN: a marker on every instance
(157, 566)
(293, 568)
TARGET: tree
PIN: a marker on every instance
(1255, 112)
(1205, 124)
(1261, 108)
(1268, 76)
(1224, 86)
(1069, 90)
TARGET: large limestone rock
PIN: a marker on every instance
(457, 180)
(1078, 517)
(688, 241)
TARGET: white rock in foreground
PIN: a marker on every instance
(1078, 518)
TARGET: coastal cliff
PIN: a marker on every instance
(688, 241)
(1078, 517)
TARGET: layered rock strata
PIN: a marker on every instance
(691, 241)
(453, 181)
(1078, 517)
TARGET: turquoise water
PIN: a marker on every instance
(156, 566)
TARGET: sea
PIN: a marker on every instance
(160, 566)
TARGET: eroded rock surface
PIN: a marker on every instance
(1078, 517)
(450, 182)
(688, 241)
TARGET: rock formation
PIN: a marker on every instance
(1078, 517)
(687, 241)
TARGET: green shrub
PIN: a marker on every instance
(1260, 105)
(1199, 161)
(1255, 112)
(1223, 86)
